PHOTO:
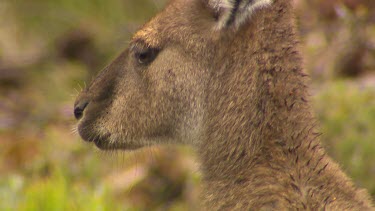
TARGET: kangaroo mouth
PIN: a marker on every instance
(86, 129)
(89, 135)
(103, 141)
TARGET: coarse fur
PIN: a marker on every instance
(227, 79)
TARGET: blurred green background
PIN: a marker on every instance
(48, 48)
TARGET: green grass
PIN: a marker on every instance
(56, 193)
(347, 116)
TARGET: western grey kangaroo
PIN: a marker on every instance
(224, 76)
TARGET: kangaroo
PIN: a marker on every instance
(224, 76)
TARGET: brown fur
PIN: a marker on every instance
(237, 95)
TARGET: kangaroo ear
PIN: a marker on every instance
(234, 13)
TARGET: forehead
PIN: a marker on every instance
(183, 21)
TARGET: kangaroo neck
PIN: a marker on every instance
(257, 99)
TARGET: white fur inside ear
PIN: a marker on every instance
(244, 10)
(221, 4)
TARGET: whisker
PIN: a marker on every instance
(152, 154)
(74, 130)
(80, 87)
(76, 91)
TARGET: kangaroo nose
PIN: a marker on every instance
(79, 108)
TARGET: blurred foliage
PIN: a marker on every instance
(347, 114)
(48, 48)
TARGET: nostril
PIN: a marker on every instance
(79, 108)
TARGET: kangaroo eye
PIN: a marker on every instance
(147, 56)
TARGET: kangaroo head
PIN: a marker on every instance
(156, 90)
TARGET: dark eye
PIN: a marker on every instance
(147, 56)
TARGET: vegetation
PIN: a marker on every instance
(49, 48)
(347, 114)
